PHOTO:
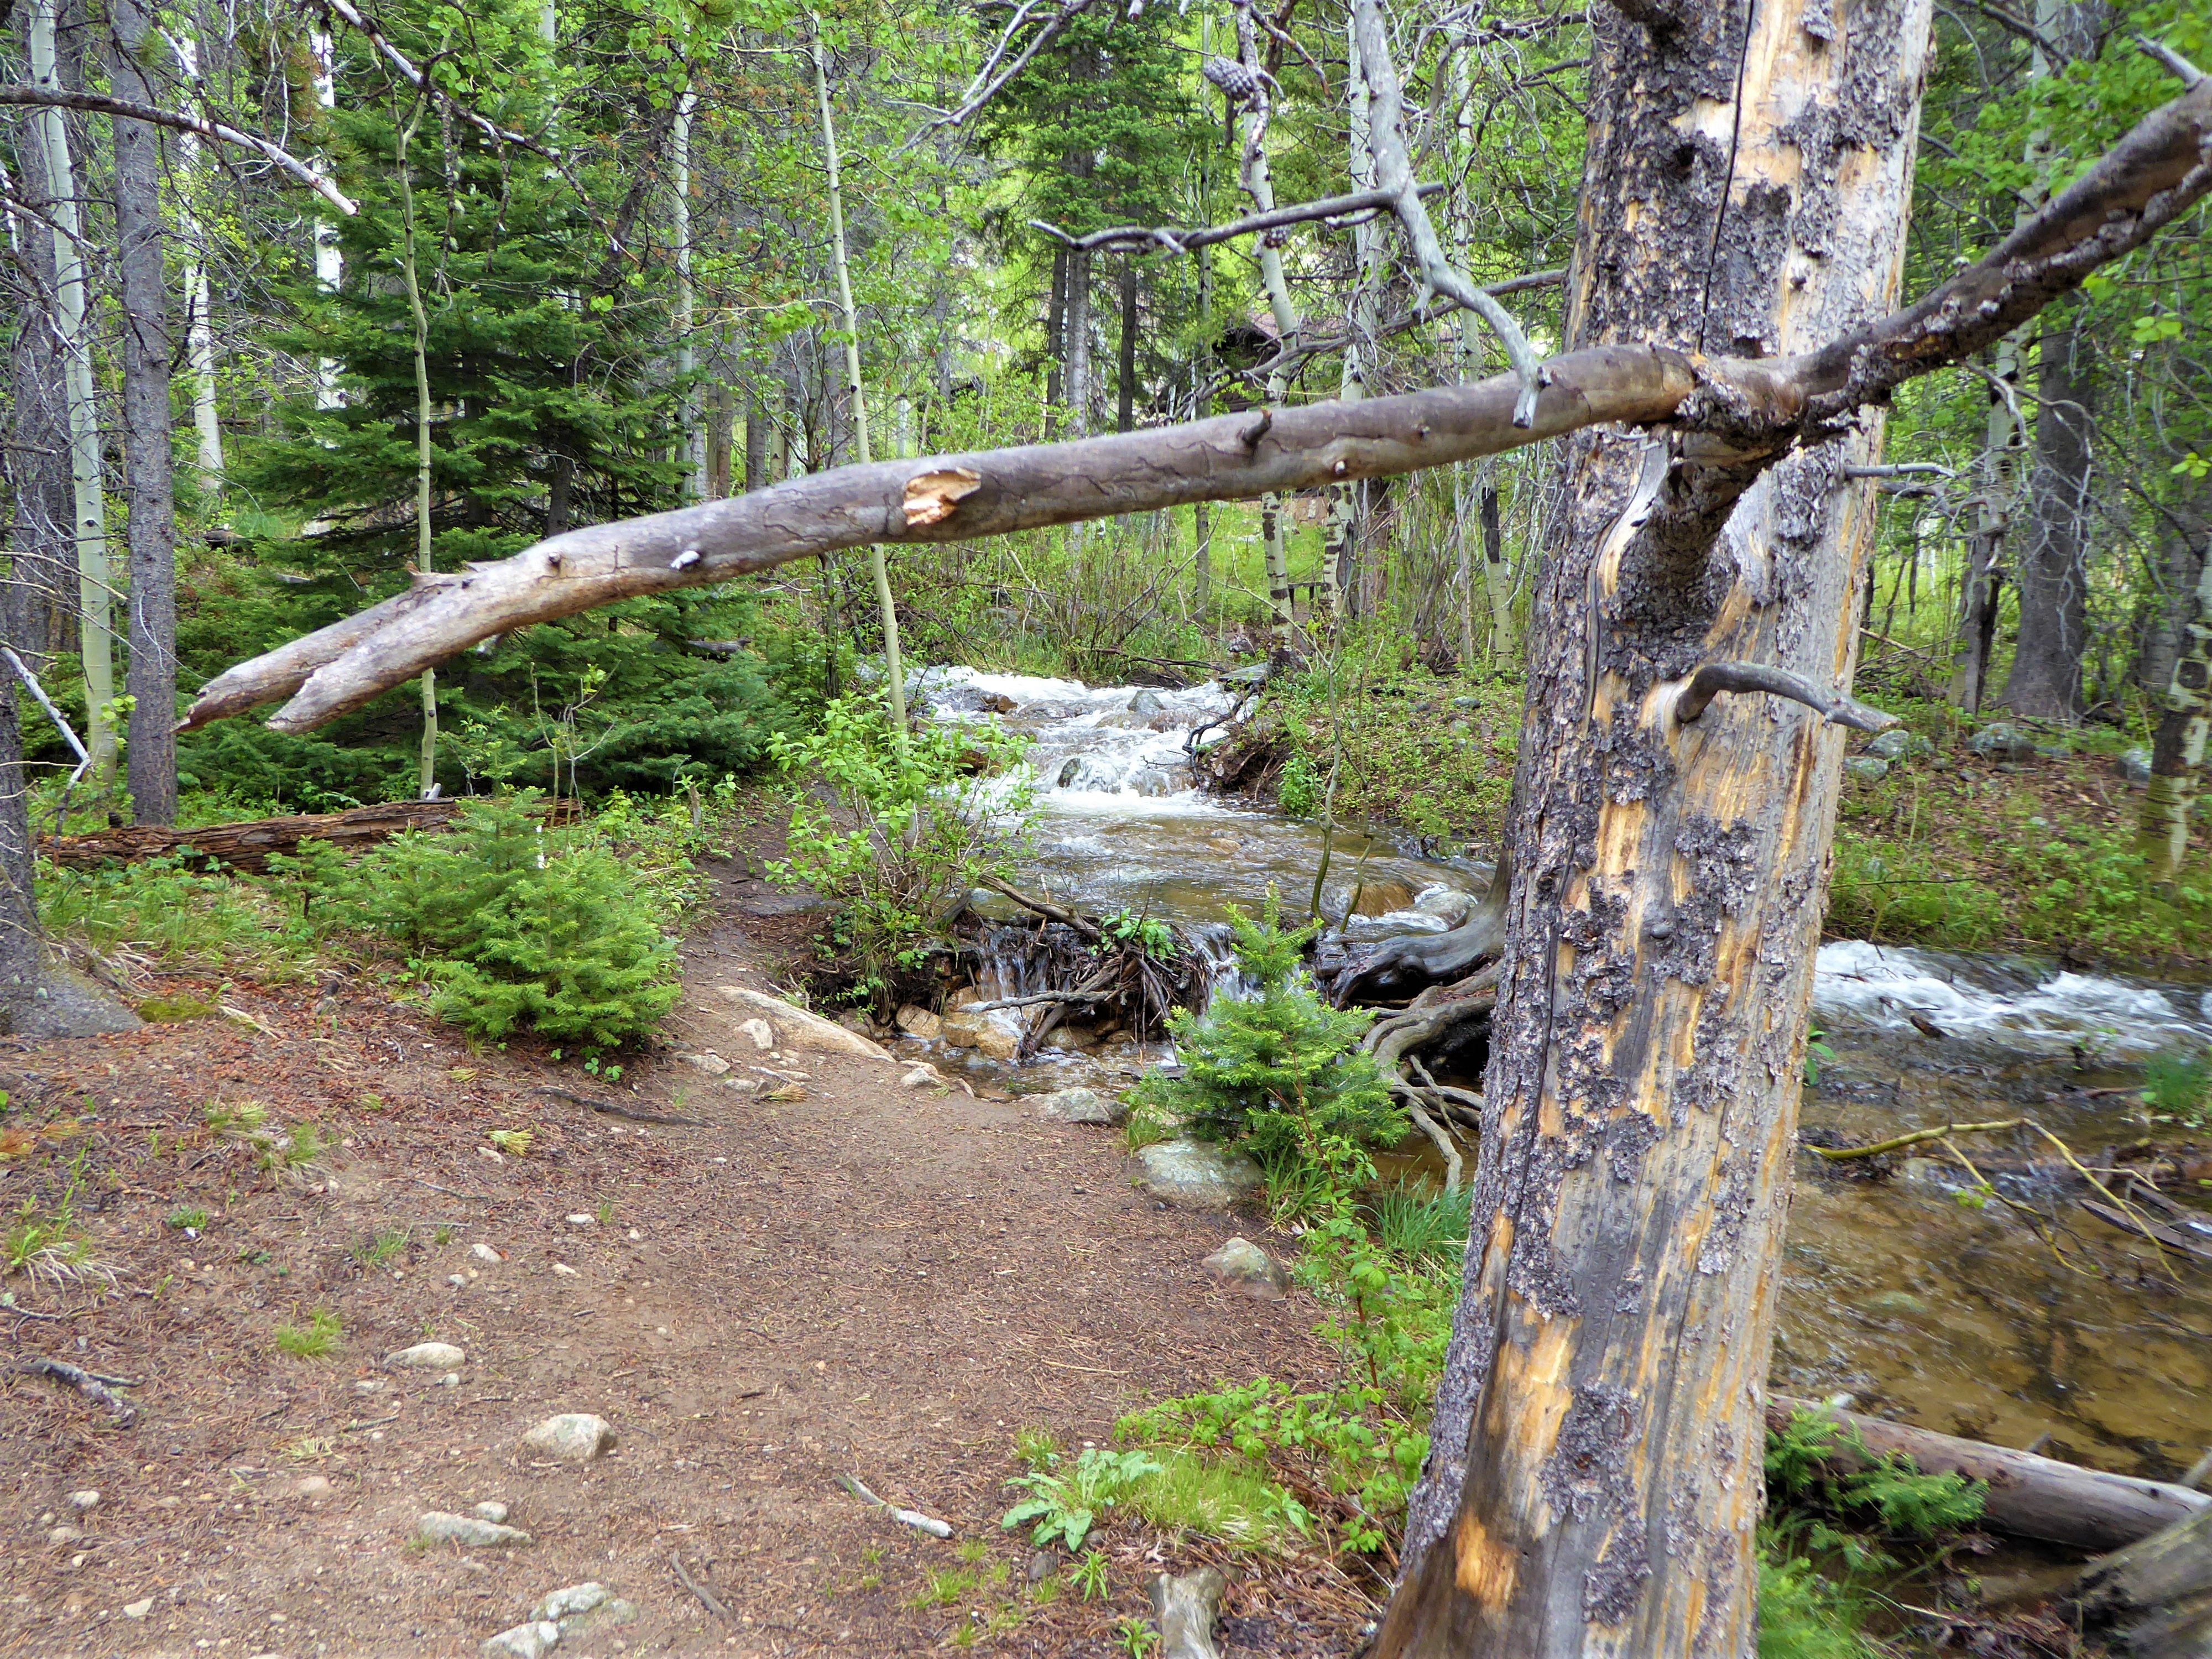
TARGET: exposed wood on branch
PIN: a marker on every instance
(1716, 678)
(2029, 1496)
(91, 1384)
(1734, 418)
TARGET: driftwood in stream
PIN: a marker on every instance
(1080, 964)
(2154, 1599)
(1432, 956)
(2029, 1496)
(248, 846)
(1438, 1012)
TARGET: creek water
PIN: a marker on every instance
(2015, 1319)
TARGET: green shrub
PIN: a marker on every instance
(909, 831)
(1802, 1615)
(1419, 1226)
(1281, 1074)
(1062, 1505)
(514, 927)
(2179, 1085)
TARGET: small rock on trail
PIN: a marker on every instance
(1243, 1266)
(530, 1641)
(427, 1357)
(571, 1436)
(471, 1531)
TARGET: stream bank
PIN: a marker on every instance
(2008, 1313)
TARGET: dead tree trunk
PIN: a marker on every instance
(2054, 567)
(150, 758)
(1595, 1480)
(2177, 750)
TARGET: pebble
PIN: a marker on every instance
(634, 1236)
(485, 1253)
(313, 1486)
(427, 1357)
(82, 1501)
(565, 1271)
(457, 1281)
(138, 1609)
(493, 1510)
(530, 1641)
(713, 1063)
(439, 1528)
(450, 1380)
(371, 1385)
(762, 1033)
(922, 1076)
(65, 1534)
(582, 1221)
(572, 1436)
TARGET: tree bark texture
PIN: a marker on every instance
(248, 845)
(2177, 743)
(150, 756)
(1055, 338)
(2154, 1599)
(756, 470)
(43, 553)
(1125, 396)
(2053, 578)
(1595, 1479)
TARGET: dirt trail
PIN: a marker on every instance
(869, 1280)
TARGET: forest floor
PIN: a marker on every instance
(858, 1279)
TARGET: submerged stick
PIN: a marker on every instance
(1898, 1143)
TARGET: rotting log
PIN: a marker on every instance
(2153, 1598)
(249, 846)
(2029, 1496)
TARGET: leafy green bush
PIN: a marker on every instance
(909, 829)
(1803, 1615)
(1282, 1073)
(1063, 1504)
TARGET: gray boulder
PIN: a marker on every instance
(1240, 1265)
(1867, 768)
(2002, 741)
(1080, 1106)
(530, 1641)
(2135, 767)
(1196, 1174)
(571, 1436)
(1147, 703)
(1899, 744)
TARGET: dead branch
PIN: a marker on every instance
(1045, 907)
(611, 1109)
(1189, 241)
(1736, 417)
(707, 1597)
(1898, 1143)
(913, 1518)
(100, 104)
(1715, 677)
(249, 845)
(91, 1385)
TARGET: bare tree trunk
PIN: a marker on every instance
(1124, 401)
(43, 553)
(88, 506)
(2054, 569)
(199, 321)
(1977, 610)
(427, 775)
(894, 681)
(1055, 343)
(1076, 394)
(757, 441)
(1339, 540)
(329, 263)
(1203, 407)
(1594, 1478)
(679, 153)
(1497, 581)
(151, 678)
(2176, 750)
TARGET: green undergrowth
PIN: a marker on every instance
(1257, 1464)
(497, 925)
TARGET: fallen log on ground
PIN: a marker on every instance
(2029, 1496)
(2154, 1599)
(249, 846)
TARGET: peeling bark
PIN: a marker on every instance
(1595, 1480)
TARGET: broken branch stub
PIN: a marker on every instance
(932, 497)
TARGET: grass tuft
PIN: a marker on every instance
(316, 1340)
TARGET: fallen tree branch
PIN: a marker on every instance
(2029, 1496)
(95, 103)
(1189, 241)
(1898, 1143)
(91, 1385)
(1031, 1001)
(707, 1597)
(913, 1518)
(249, 845)
(610, 1109)
(1044, 907)
(1744, 415)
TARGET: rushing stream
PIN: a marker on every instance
(1954, 1316)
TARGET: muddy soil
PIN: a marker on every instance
(853, 1277)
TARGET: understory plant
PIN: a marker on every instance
(1280, 1074)
(898, 829)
